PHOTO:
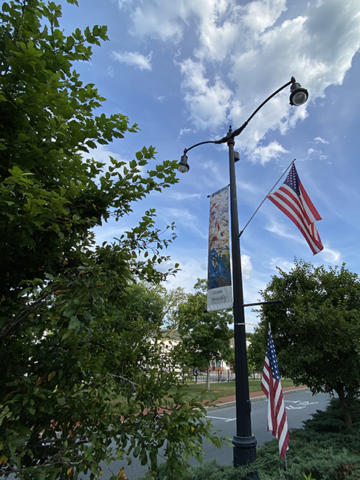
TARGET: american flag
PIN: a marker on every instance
(293, 200)
(271, 386)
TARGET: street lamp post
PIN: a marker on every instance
(244, 441)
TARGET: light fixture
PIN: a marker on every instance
(298, 95)
(183, 165)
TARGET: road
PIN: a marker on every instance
(299, 407)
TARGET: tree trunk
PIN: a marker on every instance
(344, 404)
(208, 378)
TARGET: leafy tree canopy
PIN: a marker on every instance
(257, 348)
(79, 383)
(205, 335)
(316, 328)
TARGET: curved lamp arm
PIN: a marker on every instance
(295, 90)
(201, 143)
(244, 125)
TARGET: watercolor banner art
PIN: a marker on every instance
(219, 295)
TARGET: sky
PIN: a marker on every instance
(186, 70)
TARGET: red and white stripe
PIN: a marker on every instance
(276, 420)
(301, 211)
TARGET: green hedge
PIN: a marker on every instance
(323, 450)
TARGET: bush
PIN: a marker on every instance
(325, 449)
(208, 471)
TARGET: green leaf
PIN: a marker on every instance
(74, 323)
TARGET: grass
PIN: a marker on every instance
(226, 389)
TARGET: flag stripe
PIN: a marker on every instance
(290, 203)
(271, 386)
(311, 235)
(309, 203)
(292, 199)
(296, 202)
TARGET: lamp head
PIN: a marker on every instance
(298, 95)
(183, 165)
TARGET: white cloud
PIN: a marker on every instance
(312, 153)
(134, 59)
(184, 131)
(266, 153)
(283, 231)
(259, 15)
(281, 263)
(161, 19)
(124, 3)
(191, 269)
(183, 196)
(246, 267)
(207, 104)
(320, 44)
(320, 140)
(166, 20)
(331, 255)
(160, 98)
(257, 47)
(183, 218)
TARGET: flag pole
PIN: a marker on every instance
(286, 468)
(242, 231)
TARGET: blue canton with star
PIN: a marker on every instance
(293, 180)
(271, 355)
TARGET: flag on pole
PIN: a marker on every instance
(271, 386)
(293, 200)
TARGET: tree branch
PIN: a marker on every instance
(18, 319)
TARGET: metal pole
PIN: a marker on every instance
(244, 441)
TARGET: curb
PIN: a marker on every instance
(258, 398)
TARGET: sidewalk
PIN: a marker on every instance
(254, 396)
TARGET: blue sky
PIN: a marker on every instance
(186, 70)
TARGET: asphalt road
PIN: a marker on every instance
(299, 407)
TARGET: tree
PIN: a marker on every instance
(316, 329)
(79, 383)
(257, 348)
(251, 365)
(205, 335)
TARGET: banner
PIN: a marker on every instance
(219, 295)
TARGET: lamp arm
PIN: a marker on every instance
(237, 132)
(244, 125)
(201, 143)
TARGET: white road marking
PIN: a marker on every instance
(299, 405)
(226, 420)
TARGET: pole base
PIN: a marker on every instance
(245, 453)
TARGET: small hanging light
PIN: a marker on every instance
(183, 165)
(298, 95)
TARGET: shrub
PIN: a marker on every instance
(325, 449)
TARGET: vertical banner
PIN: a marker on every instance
(219, 295)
